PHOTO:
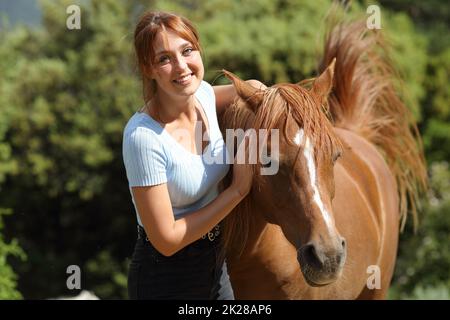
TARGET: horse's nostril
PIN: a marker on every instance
(312, 256)
(341, 255)
(343, 243)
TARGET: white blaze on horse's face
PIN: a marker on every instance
(308, 153)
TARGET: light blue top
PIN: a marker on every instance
(152, 156)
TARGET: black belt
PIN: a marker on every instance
(211, 235)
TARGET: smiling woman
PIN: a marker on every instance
(175, 191)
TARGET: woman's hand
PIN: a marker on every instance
(257, 84)
(242, 170)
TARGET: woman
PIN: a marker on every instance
(173, 187)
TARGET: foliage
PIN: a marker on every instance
(8, 278)
(424, 262)
(108, 277)
(441, 292)
(65, 96)
(425, 256)
(431, 20)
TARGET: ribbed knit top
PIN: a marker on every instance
(152, 156)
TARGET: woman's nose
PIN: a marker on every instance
(180, 63)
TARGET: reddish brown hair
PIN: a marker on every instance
(149, 25)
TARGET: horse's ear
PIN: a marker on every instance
(248, 93)
(322, 84)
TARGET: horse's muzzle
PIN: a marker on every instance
(322, 266)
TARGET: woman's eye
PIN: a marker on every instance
(187, 51)
(164, 59)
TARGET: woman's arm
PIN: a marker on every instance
(225, 94)
(168, 235)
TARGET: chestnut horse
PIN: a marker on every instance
(326, 225)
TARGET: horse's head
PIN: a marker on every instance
(298, 197)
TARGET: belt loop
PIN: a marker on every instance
(213, 234)
(142, 234)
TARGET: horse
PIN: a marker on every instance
(350, 168)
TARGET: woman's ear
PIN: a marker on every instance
(148, 72)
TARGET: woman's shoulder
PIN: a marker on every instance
(141, 122)
(140, 128)
(206, 89)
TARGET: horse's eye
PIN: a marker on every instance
(336, 156)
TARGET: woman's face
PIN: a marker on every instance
(178, 67)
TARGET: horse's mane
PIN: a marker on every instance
(279, 103)
(365, 100)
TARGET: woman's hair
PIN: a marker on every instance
(149, 25)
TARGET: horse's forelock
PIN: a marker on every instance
(284, 101)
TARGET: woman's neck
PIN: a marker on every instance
(169, 110)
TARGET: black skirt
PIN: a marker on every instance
(196, 272)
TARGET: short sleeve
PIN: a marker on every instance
(144, 158)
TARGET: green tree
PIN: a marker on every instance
(431, 20)
(68, 94)
(423, 269)
(423, 262)
(8, 278)
(65, 96)
(8, 165)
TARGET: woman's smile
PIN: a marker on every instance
(184, 80)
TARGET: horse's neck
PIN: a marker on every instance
(262, 236)
(257, 231)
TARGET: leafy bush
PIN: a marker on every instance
(8, 278)
(65, 96)
(424, 258)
